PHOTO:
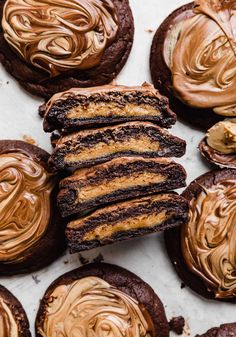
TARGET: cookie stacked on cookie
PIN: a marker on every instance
(113, 139)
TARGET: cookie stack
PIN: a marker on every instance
(113, 140)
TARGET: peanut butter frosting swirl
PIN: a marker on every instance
(208, 239)
(92, 307)
(25, 212)
(59, 35)
(8, 325)
(204, 57)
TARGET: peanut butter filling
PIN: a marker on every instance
(106, 109)
(140, 144)
(142, 221)
(89, 192)
(8, 325)
(222, 136)
(208, 239)
(92, 307)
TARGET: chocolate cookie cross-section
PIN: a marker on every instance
(31, 231)
(88, 147)
(51, 46)
(115, 301)
(193, 61)
(203, 250)
(13, 319)
(116, 180)
(109, 104)
(127, 220)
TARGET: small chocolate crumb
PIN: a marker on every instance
(7, 82)
(182, 286)
(176, 324)
(83, 260)
(149, 30)
(42, 110)
(99, 258)
(35, 278)
(66, 261)
(29, 140)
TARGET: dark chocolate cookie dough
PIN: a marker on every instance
(117, 299)
(32, 232)
(90, 50)
(14, 321)
(202, 251)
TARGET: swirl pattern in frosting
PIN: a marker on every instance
(204, 57)
(60, 35)
(92, 307)
(208, 239)
(25, 211)
(8, 325)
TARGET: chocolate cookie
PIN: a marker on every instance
(225, 330)
(118, 179)
(219, 145)
(202, 251)
(94, 146)
(113, 298)
(13, 319)
(194, 67)
(127, 220)
(109, 104)
(53, 46)
(32, 233)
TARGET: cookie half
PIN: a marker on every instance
(94, 146)
(116, 180)
(31, 230)
(113, 298)
(62, 45)
(225, 330)
(186, 61)
(109, 104)
(127, 220)
(202, 250)
(13, 319)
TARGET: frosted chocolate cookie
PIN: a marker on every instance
(219, 145)
(31, 230)
(51, 46)
(13, 319)
(193, 61)
(88, 147)
(116, 302)
(225, 330)
(118, 179)
(127, 220)
(203, 250)
(107, 104)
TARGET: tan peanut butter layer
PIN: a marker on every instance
(92, 307)
(139, 144)
(222, 136)
(25, 208)
(202, 56)
(208, 239)
(8, 325)
(58, 36)
(142, 221)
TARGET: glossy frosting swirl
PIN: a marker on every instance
(59, 35)
(25, 211)
(204, 57)
(208, 239)
(92, 307)
(8, 325)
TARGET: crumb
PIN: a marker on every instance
(66, 261)
(42, 110)
(182, 286)
(35, 278)
(149, 30)
(176, 324)
(29, 140)
(7, 82)
(99, 258)
(83, 260)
